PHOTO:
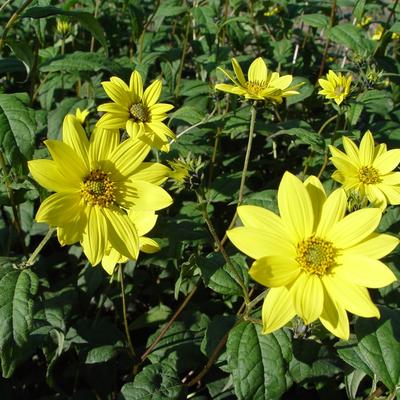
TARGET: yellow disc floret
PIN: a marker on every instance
(139, 112)
(315, 256)
(98, 189)
(369, 175)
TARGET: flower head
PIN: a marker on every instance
(136, 110)
(317, 261)
(144, 222)
(336, 87)
(63, 27)
(96, 182)
(261, 83)
(377, 35)
(368, 170)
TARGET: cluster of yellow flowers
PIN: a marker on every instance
(317, 260)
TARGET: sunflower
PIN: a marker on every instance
(137, 111)
(261, 84)
(144, 222)
(336, 87)
(96, 182)
(317, 261)
(368, 170)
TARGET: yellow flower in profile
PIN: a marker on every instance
(144, 222)
(136, 110)
(317, 261)
(336, 87)
(81, 115)
(63, 27)
(368, 170)
(261, 83)
(96, 182)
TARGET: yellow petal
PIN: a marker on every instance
(152, 93)
(346, 167)
(94, 239)
(102, 144)
(277, 309)
(354, 228)
(159, 127)
(151, 172)
(136, 85)
(282, 82)
(46, 173)
(392, 178)
(114, 108)
(119, 82)
(308, 297)
(295, 207)
(367, 148)
(75, 137)
(392, 193)
(72, 232)
(364, 271)
(258, 71)
(351, 150)
(387, 161)
(334, 318)
(160, 108)
(144, 220)
(333, 210)
(274, 271)
(352, 297)
(117, 94)
(148, 245)
(224, 87)
(238, 72)
(376, 245)
(112, 121)
(256, 243)
(110, 261)
(376, 196)
(122, 233)
(317, 195)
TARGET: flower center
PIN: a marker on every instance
(98, 189)
(368, 175)
(339, 90)
(315, 255)
(139, 112)
(256, 87)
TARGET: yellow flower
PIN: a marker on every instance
(378, 32)
(364, 21)
(368, 170)
(317, 261)
(96, 182)
(336, 87)
(137, 111)
(81, 115)
(276, 9)
(63, 27)
(144, 222)
(261, 84)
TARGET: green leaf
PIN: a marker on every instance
(85, 19)
(307, 136)
(258, 362)
(376, 101)
(10, 65)
(282, 50)
(354, 112)
(204, 18)
(352, 382)
(17, 288)
(395, 27)
(17, 130)
(306, 90)
(358, 10)
(101, 354)
(155, 382)
(352, 37)
(188, 114)
(23, 51)
(154, 316)
(315, 20)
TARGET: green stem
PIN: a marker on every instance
(255, 301)
(245, 166)
(12, 21)
(141, 39)
(220, 247)
(39, 248)
(128, 336)
(96, 12)
(184, 48)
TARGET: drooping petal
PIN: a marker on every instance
(367, 149)
(74, 136)
(159, 127)
(392, 193)
(152, 93)
(295, 207)
(110, 261)
(143, 196)
(238, 72)
(256, 243)
(144, 220)
(333, 211)
(122, 233)
(354, 228)
(364, 271)
(128, 156)
(308, 297)
(274, 271)
(277, 309)
(352, 297)
(148, 246)
(151, 172)
(334, 318)
(46, 173)
(387, 161)
(375, 196)
(345, 166)
(257, 71)
(136, 85)
(94, 239)
(59, 209)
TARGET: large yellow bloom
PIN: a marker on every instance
(336, 87)
(368, 170)
(317, 261)
(96, 182)
(261, 84)
(137, 111)
(144, 222)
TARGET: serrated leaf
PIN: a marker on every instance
(188, 114)
(352, 37)
(17, 130)
(155, 382)
(101, 354)
(258, 362)
(376, 101)
(315, 20)
(354, 112)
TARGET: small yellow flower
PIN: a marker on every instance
(144, 222)
(336, 87)
(395, 36)
(368, 170)
(364, 21)
(137, 111)
(317, 261)
(378, 33)
(276, 9)
(63, 27)
(261, 84)
(81, 115)
(96, 182)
